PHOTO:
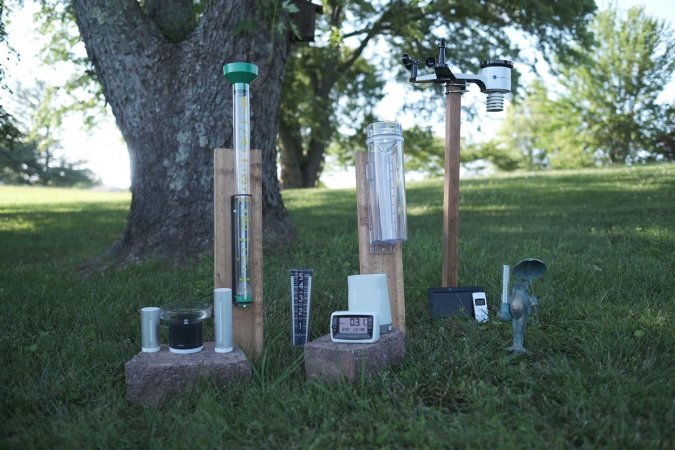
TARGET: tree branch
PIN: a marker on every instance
(379, 26)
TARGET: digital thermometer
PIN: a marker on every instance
(354, 327)
(480, 311)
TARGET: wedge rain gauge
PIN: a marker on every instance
(301, 294)
(241, 75)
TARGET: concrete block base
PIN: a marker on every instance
(152, 377)
(329, 361)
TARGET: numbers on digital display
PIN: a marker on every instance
(353, 325)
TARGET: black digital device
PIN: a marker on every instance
(448, 301)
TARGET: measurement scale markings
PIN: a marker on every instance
(301, 282)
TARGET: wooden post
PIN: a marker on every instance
(388, 263)
(248, 322)
(453, 117)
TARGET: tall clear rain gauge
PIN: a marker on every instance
(241, 75)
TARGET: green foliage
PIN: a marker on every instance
(501, 157)
(81, 93)
(3, 37)
(539, 133)
(25, 163)
(348, 30)
(8, 130)
(606, 110)
(599, 372)
(321, 107)
(614, 93)
(33, 157)
(424, 152)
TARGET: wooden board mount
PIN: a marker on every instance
(248, 322)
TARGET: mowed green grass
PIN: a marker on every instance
(600, 372)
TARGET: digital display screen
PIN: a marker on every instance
(480, 302)
(353, 325)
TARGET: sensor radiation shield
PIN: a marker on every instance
(496, 74)
(370, 292)
(387, 223)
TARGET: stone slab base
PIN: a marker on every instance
(329, 361)
(152, 377)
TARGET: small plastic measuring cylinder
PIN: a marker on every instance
(386, 183)
(241, 258)
(241, 75)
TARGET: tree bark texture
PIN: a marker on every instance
(173, 107)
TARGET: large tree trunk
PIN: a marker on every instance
(173, 107)
(300, 170)
(302, 167)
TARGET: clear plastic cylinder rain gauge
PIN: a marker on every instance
(386, 183)
(241, 75)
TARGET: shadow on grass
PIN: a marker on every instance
(43, 235)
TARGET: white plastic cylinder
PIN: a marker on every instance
(506, 274)
(222, 320)
(150, 317)
(386, 183)
(369, 292)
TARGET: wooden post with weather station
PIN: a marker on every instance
(494, 79)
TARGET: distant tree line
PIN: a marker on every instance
(604, 110)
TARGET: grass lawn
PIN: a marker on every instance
(600, 372)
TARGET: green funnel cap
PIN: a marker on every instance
(240, 72)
